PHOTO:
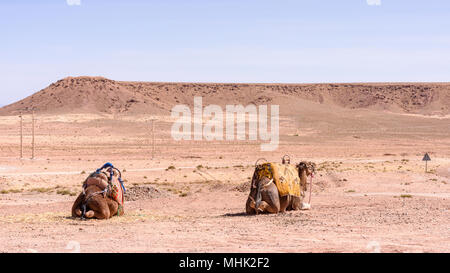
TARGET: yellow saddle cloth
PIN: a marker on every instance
(285, 177)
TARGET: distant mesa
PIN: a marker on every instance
(102, 95)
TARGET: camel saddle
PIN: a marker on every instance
(285, 177)
(104, 180)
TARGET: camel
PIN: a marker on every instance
(94, 204)
(102, 195)
(264, 195)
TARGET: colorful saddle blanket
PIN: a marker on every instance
(285, 177)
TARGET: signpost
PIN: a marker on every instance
(426, 158)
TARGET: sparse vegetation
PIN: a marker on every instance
(65, 192)
(11, 191)
(406, 196)
(42, 190)
(171, 167)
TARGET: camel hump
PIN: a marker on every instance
(99, 180)
(103, 180)
(115, 173)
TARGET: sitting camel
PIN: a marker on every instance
(102, 195)
(265, 195)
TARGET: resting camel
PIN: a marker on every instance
(265, 197)
(102, 195)
(97, 205)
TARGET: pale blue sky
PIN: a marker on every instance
(222, 41)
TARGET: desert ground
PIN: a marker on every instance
(370, 192)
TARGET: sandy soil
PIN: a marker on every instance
(370, 193)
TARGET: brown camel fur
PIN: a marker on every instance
(98, 205)
(265, 198)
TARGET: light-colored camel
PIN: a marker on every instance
(264, 195)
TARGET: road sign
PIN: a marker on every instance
(426, 158)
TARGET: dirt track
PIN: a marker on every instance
(370, 189)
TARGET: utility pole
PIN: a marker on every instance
(21, 135)
(153, 139)
(32, 140)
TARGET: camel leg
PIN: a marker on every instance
(76, 212)
(250, 206)
(90, 214)
(265, 207)
(114, 207)
(285, 202)
(99, 208)
(296, 203)
(271, 200)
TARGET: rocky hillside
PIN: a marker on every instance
(101, 95)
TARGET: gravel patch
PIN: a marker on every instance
(142, 193)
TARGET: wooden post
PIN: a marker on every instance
(32, 140)
(153, 139)
(21, 135)
(426, 166)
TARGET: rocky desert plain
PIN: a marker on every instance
(370, 192)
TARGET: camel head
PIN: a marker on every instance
(308, 168)
(305, 169)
